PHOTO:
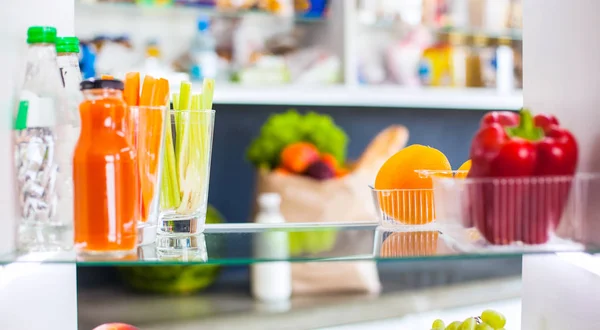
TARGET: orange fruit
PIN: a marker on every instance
(464, 169)
(410, 244)
(405, 195)
(297, 157)
(330, 160)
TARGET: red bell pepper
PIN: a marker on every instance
(519, 146)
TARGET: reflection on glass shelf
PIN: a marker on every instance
(231, 244)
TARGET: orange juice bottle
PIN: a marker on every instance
(104, 173)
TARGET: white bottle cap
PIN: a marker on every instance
(269, 201)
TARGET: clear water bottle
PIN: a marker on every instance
(67, 51)
(45, 133)
(203, 52)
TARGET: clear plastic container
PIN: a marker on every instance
(527, 213)
(404, 207)
(184, 187)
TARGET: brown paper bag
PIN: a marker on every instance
(347, 199)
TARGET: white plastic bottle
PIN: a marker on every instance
(271, 281)
(505, 66)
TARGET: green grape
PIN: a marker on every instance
(468, 324)
(493, 318)
(438, 325)
(454, 325)
(484, 326)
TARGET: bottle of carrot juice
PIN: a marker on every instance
(104, 173)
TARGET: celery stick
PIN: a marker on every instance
(208, 88)
(176, 101)
(202, 145)
(203, 134)
(180, 121)
(182, 136)
(176, 115)
(170, 186)
(192, 175)
(185, 96)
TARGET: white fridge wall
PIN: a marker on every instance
(561, 55)
(32, 296)
(560, 63)
(15, 17)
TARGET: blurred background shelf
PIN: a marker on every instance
(358, 53)
(371, 96)
(176, 10)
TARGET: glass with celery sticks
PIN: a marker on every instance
(186, 171)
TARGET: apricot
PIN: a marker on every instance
(404, 194)
(297, 157)
(464, 169)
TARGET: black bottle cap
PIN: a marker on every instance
(101, 84)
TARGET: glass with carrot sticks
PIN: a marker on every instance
(105, 175)
(147, 114)
(186, 170)
(146, 130)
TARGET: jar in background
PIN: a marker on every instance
(458, 42)
(478, 57)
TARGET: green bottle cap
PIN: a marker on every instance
(41, 35)
(67, 45)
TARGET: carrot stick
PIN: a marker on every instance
(147, 91)
(106, 77)
(142, 143)
(131, 94)
(151, 124)
(160, 96)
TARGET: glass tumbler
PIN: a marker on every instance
(146, 131)
(186, 172)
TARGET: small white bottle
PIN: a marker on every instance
(505, 66)
(271, 281)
